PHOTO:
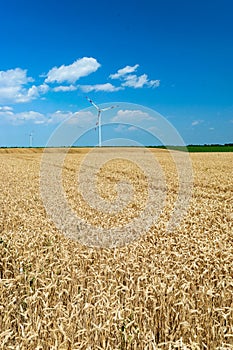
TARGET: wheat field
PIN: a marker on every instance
(165, 290)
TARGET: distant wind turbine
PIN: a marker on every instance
(31, 139)
(100, 110)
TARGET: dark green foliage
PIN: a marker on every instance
(228, 147)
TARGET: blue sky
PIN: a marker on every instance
(174, 57)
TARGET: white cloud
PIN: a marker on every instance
(22, 117)
(34, 117)
(14, 89)
(133, 80)
(100, 87)
(5, 109)
(6, 114)
(14, 94)
(65, 88)
(153, 83)
(81, 118)
(153, 129)
(123, 71)
(35, 91)
(30, 115)
(121, 128)
(43, 89)
(71, 73)
(58, 116)
(14, 77)
(131, 116)
(12, 83)
(197, 122)
(32, 93)
(140, 81)
(133, 128)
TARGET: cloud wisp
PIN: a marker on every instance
(197, 122)
(100, 87)
(65, 88)
(140, 81)
(121, 73)
(132, 80)
(130, 116)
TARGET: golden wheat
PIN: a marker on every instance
(167, 290)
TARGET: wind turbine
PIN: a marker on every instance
(30, 139)
(100, 110)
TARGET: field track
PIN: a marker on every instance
(167, 290)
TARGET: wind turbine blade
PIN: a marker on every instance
(92, 103)
(106, 109)
(98, 118)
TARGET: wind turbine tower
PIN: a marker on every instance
(30, 139)
(100, 110)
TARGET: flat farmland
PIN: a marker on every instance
(168, 289)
